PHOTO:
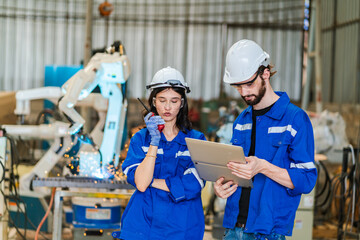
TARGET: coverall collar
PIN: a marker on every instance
(279, 108)
(180, 138)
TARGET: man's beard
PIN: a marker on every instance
(258, 97)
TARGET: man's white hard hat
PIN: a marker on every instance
(243, 60)
(168, 77)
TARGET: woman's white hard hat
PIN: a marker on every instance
(168, 77)
(243, 60)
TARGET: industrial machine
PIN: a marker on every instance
(105, 70)
(108, 71)
(56, 132)
(100, 156)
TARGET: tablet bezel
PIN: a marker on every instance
(211, 158)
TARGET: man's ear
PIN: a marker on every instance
(266, 74)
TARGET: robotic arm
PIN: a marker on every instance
(102, 68)
(108, 71)
(24, 97)
(57, 132)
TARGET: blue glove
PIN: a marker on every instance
(152, 123)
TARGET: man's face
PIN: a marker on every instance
(253, 90)
(253, 99)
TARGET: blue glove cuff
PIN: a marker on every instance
(155, 141)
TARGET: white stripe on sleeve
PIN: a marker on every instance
(308, 165)
(195, 173)
(129, 167)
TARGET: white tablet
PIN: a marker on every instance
(210, 159)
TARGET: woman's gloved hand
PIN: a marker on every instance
(152, 123)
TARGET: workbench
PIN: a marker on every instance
(62, 186)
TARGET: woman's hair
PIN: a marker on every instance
(182, 119)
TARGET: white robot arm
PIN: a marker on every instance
(24, 97)
(57, 133)
(102, 67)
(107, 71)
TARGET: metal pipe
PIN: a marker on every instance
(87, 55)
(318, 70)
(357, 84)
(224, 38)
(333, 48)
(310, 61)
(88, 34)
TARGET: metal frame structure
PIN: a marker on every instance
(342, 204)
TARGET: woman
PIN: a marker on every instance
(166, 203)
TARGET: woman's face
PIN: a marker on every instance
(167, 104)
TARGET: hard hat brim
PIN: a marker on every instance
(228, 79)
(165, 85)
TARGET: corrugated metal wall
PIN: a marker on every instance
(190, 35)
(340, 21)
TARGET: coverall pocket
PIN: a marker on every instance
(279, 151)
(280, 141)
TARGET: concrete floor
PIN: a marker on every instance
(319, 233)
(30, 235)
(208, 236)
